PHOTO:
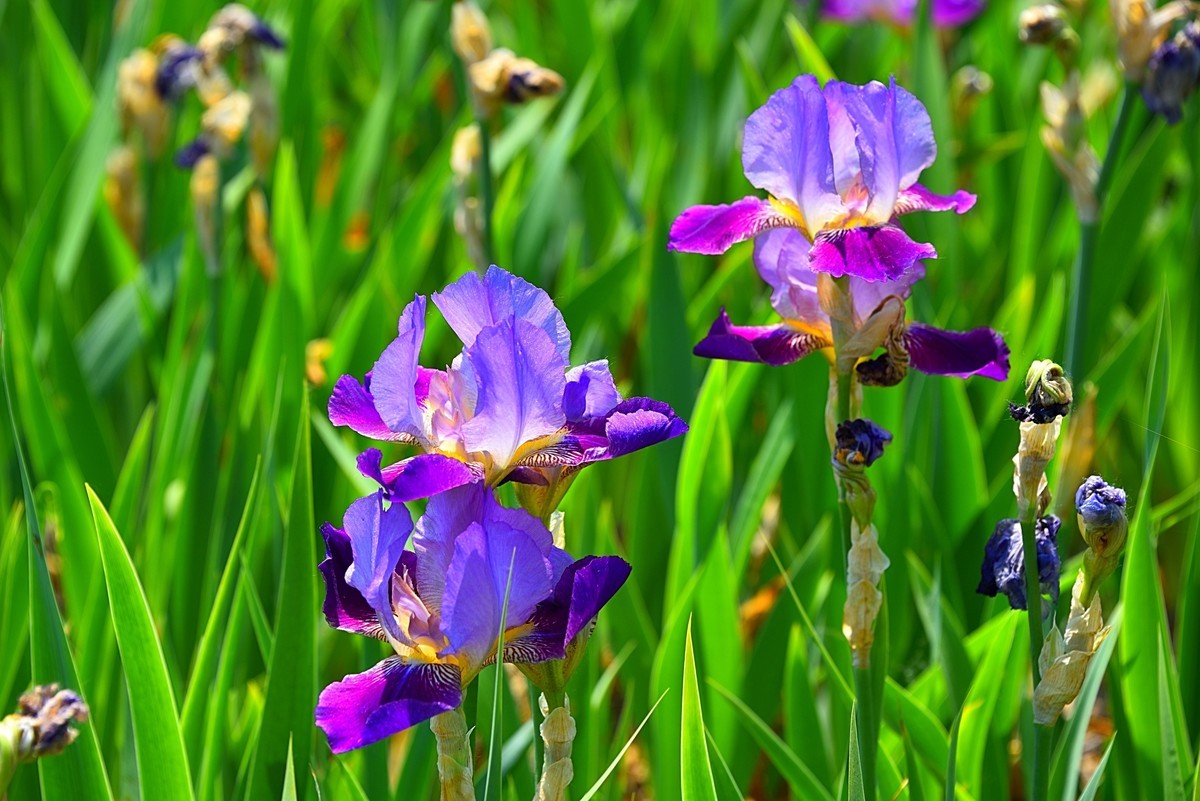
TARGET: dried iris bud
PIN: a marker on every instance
(1172, 74)
(1003, 569)
(1047, 394)
(859, 442)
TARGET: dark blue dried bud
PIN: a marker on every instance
(1172, 74)
(191, 153)
(265, 35)
(48, 713)
(1102, 519)
(176, 72)
(1003, 569)
(859, 442)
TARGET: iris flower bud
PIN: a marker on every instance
(1042, 24)
(1047, 394)
(1102, 521)
(860, 442)
(1172, 74)
(40, 727)
(1065, 656)
(503, 77)
(470, 33)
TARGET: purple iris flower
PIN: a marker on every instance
(1003, 569)
(441, 605)
(782, 260)
(946, 13)
(840, 165)
(509, 407)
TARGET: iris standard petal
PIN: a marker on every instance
(764, 344)
(420, 476)
(352, 405)
(711, 230)
(377, 538)
(345, 608)
(489, 563)
(390, 697)
(952, 13)
(473, 303)
(918, 198)
(521, 381)
(877, 253)
(394, 379)
(590, 391)
(980, 351)
(786, 151)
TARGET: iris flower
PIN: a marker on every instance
(782, 260)
(841, 164)
(946, 13)
(509, 407)
(441, 606)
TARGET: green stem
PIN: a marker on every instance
(486, 198)
(1088, 232)
(864, 696)
(1033, 598)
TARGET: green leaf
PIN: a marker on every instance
(807, 52)
(595, 788)
(1093, 785)
(952, 760)
(786, 761)
(856, 790)
(200, 685)
(78, 772)
(696, 770)
(161, 759)
(291, 691)
(289, 778)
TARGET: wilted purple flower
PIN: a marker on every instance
(859, 442)
(1099, 503)
(946, 13)
(179, 69)
(782, 260)
(441, 605)
(508, 406)
(840, 165)
(1172, 74)
(1003, 568)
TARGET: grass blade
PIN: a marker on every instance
(161, 758)
(696, 770)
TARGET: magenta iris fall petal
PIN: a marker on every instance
(363, 708)
(712, 230)
(980, 351)
(883, 253)
(765, 344)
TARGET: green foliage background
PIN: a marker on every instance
(159, 549)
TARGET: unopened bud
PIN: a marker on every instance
(1172, 74)
(1047, 394)
(1065, 657)
(465, 152)
(865, 565)
(470, 33)
(1042, 24)
(503, 77)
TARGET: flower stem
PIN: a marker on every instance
(1088, 232)
(558, 734)
(486, 197)
(1033, 603)
(454, 758)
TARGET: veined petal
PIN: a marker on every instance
(712, 230)
(786, 151)
(419, 476)
(486, 564)
(345, 608)
(981, 351)
(581, 592)
(878, 253)
(473, 303)
(590, 391)
(395, 377)
(351, 405)
(377, 538)
(390, 697)
(766, 344)
(894, 139)
(521, 382)
(918, 198)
